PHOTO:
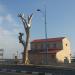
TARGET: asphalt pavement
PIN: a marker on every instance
(8, 73)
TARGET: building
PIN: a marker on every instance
(73, 59)
(53, 50)
(1, 53)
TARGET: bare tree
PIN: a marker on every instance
(27, 26)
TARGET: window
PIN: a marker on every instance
(54, 45)
(53, 56)
(66, 44)
(48, 45)
(35, 46)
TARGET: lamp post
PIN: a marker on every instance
(45, 22)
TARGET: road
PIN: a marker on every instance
(8, 73)
(23, 69)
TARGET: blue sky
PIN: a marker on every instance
(60, 22)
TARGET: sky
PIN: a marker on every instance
(60, 18)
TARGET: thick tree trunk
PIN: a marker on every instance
(26, 57)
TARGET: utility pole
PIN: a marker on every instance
(27, 26)
(45, 23)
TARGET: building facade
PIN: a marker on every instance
(51, 50)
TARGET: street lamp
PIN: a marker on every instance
(45, 22)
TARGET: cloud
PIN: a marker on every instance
(9, 30)
(6, 18)
(8, 42)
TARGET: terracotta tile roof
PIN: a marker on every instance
(49, 39)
